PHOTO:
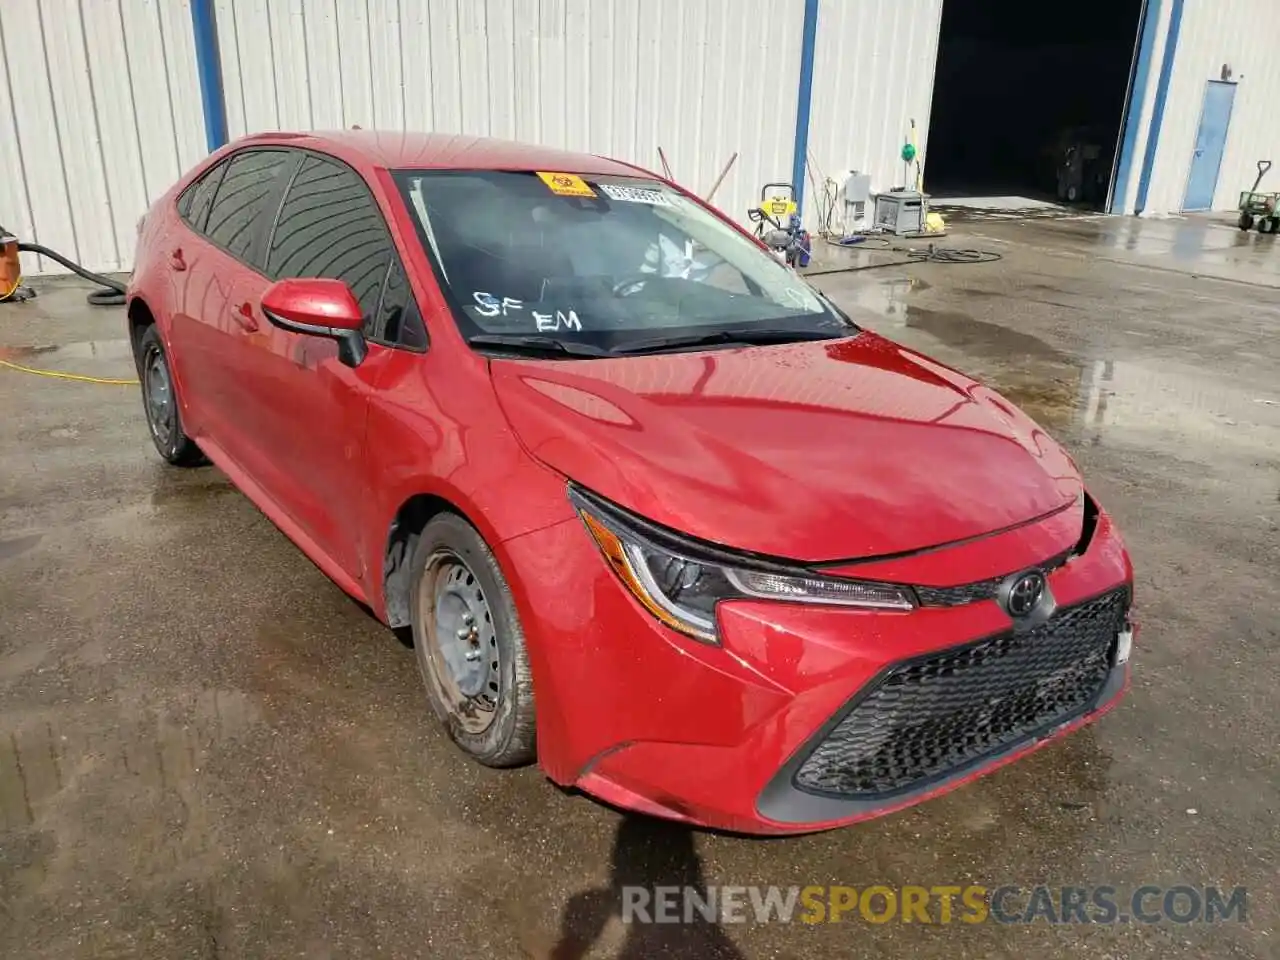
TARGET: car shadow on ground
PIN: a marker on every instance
(647, 853)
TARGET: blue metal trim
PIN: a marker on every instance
(1137, 94)
(209, 67)
(1157, 112)
(804, 96)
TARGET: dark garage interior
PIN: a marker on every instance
(1029, 99)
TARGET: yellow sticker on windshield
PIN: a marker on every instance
(566, 184)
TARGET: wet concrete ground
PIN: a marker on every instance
(207, 750)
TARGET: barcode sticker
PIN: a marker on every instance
(617, 191)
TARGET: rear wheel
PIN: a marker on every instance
(160, 402)
(469, 644)
(1246, 221)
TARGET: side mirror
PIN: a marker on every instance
(319, 307)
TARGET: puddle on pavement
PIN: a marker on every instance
(117, 349)
(177, 496)
(985, 339)
(1148, 402)
(1042, 380)
(884, 296)
(958, 214)
(1183, 403)
(12, 546)
(161, 748)
(1188, 242)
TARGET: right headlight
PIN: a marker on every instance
(680, 583)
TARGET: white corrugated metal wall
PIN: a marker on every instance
(100, 103)
(699, 78)
(1243, 34)
(99, 113)
(872, 74)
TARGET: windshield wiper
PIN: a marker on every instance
(745, 335)
(535, 346)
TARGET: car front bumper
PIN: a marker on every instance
(650, 720)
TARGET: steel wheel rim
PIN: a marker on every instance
(159, 397)
(462, 641)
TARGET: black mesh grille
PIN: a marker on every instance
(924, 719)
(978, 590)
(958, 596)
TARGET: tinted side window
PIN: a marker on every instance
(399, 321)
(242, 197)
(330, 227)
(193, 205)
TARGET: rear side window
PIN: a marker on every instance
(241, 200)
(330, 226)
(193, 205)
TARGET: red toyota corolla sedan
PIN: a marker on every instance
(658, 513)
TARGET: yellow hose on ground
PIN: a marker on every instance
(59, 375)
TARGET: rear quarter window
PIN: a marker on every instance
(194, 202)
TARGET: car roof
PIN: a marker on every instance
(399, 150)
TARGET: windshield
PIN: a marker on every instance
(601, 263)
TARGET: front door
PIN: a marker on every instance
(1211, 141)
(329, 226)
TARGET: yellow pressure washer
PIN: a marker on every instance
(788, 240)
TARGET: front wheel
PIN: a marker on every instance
(160, 402)
(1246, 221)
(470, 646)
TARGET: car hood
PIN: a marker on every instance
(812, 451)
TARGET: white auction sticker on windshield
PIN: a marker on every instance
(617, 191)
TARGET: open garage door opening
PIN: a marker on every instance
(1029, 100)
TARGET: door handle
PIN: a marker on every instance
(177, 261)
(243, 316)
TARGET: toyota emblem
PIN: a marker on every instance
(1025, 594)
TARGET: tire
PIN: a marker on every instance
(1268, 225)
(160, 403)
(1246, 222)
(480, 687)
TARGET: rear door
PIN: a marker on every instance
(329, 225)
(227, 278)
(195, 290)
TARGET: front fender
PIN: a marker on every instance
(435, 429)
